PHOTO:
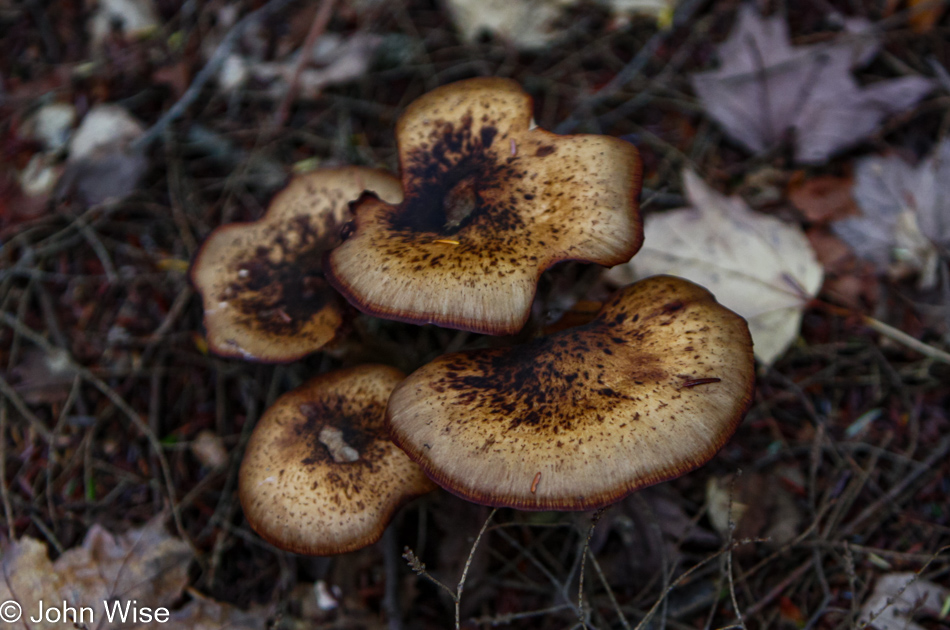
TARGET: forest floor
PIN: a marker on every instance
(832, 497)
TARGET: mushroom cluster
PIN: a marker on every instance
(649, 389)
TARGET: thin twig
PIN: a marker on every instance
(508, 618)
(210, 69)
(4, 491)
(635, 66)
(468, 563)
(101, 252)
(116, 400)
(610, 592)
(561, 587)
(11, 394)
(732, 530)
(779, 588)
(391, 566)
(317, 28)
(890, 332)
(938, 455)
(686, 574)
(584, 551)
(893, 599)
(903, 338)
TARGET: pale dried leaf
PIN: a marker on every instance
(102, 166)
(724, 508)
(905, 213)
(756, 265)
(638, 7)
(38, 179)
(146, 565)
(527, 24)
(532, 24)
(208, 448)
(51, 125)
(44, 378)
(337, 60)
(133, 17)
(897, 597)
(766, 90)
(104, 128)
(202, 613)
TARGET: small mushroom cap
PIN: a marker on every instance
(262, 284)
(320, 475)
(490, 203)
(652, 388)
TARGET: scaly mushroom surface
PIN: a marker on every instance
(650, 389)
(262, 285)
(490, 202)
(320, 475)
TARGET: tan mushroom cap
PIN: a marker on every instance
(490, 203)
(262, 284)
(320, 475)
(652, 388)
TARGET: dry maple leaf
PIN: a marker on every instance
(760, 267)
(905, 210)
(767, 90)
(144, 567)
(898, 597)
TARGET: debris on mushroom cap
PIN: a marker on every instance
(320, 475)
(262, 283)
(652, 388)
(490, 203)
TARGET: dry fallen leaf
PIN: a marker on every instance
(44, 377)
(146, 565)
(897, 596)
(767, 90)
(102, 165)
(334, 60)
(849, 280)
(51, 125)
(527, 24)
(208, 448)
(924, 14)
(905, 210)
(133, 17)
(202, 613)
(760, 267)
(143, 568)
(725, 510)
(532, 24)
(824, 198)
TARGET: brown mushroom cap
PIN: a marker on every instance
(490, 203)
(320, 475)
(262, 283)
(652, 388)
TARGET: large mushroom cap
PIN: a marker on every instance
(650, 389)
(490, 203)
(320, 475)
(262, 283)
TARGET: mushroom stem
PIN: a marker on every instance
(391, 594)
